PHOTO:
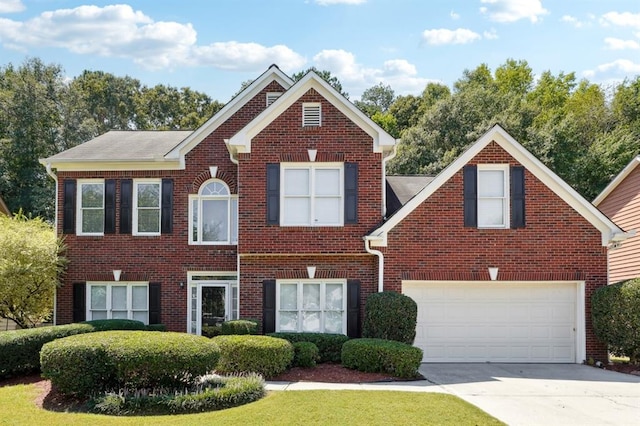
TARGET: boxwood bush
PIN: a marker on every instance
(111, 360)
(615, 310)
(305, 354)
(264, 355)
(391, 316)
(239, 327)
(383, 356)
(329, 345)
(115, 324)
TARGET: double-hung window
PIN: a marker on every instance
(90, 207)
(146, 207)
(213, 215)
(311, 306)
(118, 301)
(312, 194)
(493, 196)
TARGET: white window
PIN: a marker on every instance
(272, 96)
(312, 194)
(118, 301)
(90, 207)
(146, 207)
(213, 216)
(493, 196)
(311, 114)
(311, 306)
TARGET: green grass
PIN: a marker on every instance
(282, 408)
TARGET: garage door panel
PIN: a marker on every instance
(495, 321)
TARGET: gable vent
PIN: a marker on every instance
(311, 114)
(272, 96)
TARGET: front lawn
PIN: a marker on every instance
(282, 408)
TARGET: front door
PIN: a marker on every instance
(213, 305)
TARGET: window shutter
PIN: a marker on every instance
(353, 309)
(154, 303)
(166, 214)
(268, 306)
(126, 203)
(273, 194)
(351, 193)
(69, 206)
(79, 302)
(109, 206)
(470, 176)
(517, 197)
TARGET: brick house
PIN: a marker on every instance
(278, 208)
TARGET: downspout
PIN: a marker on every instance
(55, 226)
(384, 177)
(237, 163)
(378, 253)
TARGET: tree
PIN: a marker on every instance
(31, 262)
(326, 76)
(376, 99)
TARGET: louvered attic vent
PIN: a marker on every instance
(272, 96)
(311, 114)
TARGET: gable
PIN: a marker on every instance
(619, 180)
(494, 138)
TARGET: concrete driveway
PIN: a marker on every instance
(543, 394)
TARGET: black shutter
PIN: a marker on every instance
(126, 197)
(268, 306)
(353, 308)
(166, 214)
(350, 193)
(110, 206)
(517, 197)
(154, 303)
(69, 206)
(79, 302)
(470, 176)
(273, 194)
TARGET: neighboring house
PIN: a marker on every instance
(3, 208)
(620, 201)
(275, 209)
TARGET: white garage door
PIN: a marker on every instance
(495, 321)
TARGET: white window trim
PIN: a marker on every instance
(79, 209)
(507, 197)
(137, 182)
(110, 284)
(323, 283)
(312, 167)
(272, 97)
(307, 106)
(199, 198)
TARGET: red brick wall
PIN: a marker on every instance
(556, 244)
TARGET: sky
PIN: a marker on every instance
(214, 45)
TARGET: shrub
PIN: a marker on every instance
(264, 355)
(215, 393)
(239, 327)
(211, 330)
(156, 327)
(305, 354)
(383, 356)
(115, 324)
(391, 316)
(111, 360)
(615, 310)
(329, 345)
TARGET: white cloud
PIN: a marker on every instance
(619, 44)
(444, 36)
(624, 19)
(619, 67)
(332, 2)
(454, 15)
(11, 6)
(574, 21)
(513, 10)
(490, 35)
(247, 56)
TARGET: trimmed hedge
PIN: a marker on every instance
(329, 345)
(110, 360)
(382, 356)
(305, 354)
(615, 310)
(239, 327)
(156, 327)
(216, 393)
(391, 316)
(20, 349)
(264, 355)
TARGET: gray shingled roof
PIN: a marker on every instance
(123, 145)
(401, 189)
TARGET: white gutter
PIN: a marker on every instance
(380, 263)
(55, 227)
(384, 177)
(237, 163)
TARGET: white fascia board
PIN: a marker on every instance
(569, 195)
(88, 166)
(198, 135)
(382, 141)
(617, 181)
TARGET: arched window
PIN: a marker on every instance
(213, 215)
